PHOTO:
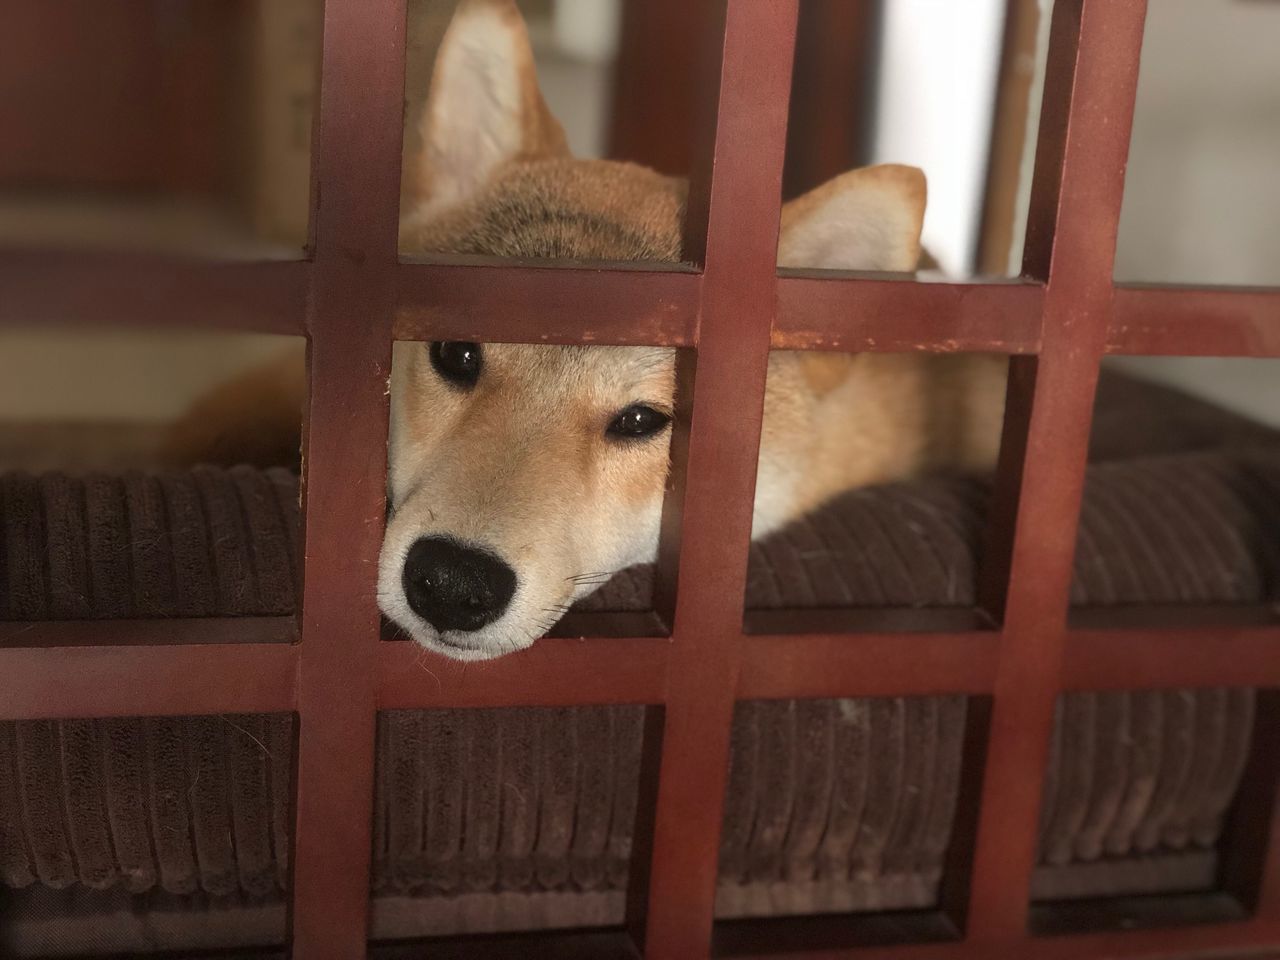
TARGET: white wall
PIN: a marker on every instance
(939, 62)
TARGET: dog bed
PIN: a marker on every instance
(132, 835)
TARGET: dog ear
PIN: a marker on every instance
(866, 219)
(484, 107)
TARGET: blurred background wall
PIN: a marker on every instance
(1202, 196)
(184, 126)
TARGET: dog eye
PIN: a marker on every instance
(637, 421)
(457, 362)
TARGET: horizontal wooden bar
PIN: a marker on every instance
(867, 620)
(500, 301)
(1065, 917)
(859, 312)
(1210, 939)
(567, 669)
(156, 632)
(553, 672)
(1227, 656)
(778, 935)
(552, 945)
(119, 290)
(128, 681)
(581, 625)
(624, 304)
(867, 665)
(1196, 322)
(1218, 940)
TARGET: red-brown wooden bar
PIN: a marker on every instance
(534, 303)
(1201, 942)
(818, 312)
(1076, 191)
(39, 288)
(734, 209)
(356, 186)
(1206, 656)
(126, 681)
(556, 671)
(498, 301)
(352, 298)
(1221, 322)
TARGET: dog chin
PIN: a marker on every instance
(455, 644)
(465, 653)
(450, 644)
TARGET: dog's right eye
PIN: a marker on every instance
(457, 362)
(637, 421)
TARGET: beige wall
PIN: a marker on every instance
(119, 376)
(1202, 193)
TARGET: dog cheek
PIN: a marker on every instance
(641, 477)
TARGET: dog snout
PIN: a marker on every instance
(456, 587)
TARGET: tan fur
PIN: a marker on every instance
(560, 208)
(521, 465)
(857, 196)
(891, 416)
(254, 418)
(533, 132)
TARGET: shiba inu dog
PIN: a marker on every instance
(522, 476)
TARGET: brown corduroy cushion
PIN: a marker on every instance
(857, 795)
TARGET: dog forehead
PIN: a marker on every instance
(606, 372)
(565, 209)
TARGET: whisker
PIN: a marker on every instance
(587, 577)
(422, 664)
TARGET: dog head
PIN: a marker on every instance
(523, 476)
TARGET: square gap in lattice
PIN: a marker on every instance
(179, 128)
(1157, 808)
(508, 820)
(1180, 522)
(150, 477)
(139, 835)
(508, 120)
(909, 95)
(873, 490)
(526, 491)
(1199, 200)
(849, 821)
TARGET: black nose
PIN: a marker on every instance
(454, 587)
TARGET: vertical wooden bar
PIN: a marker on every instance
(1076, 194)
(742, 180)
(356, 183)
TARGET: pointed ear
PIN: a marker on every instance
(484, 107)
(866, 219)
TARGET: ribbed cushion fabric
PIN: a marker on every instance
(183, 804)
(201, 543)
(847, 804)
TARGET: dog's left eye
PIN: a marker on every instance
(457, 362)
(637, 421)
